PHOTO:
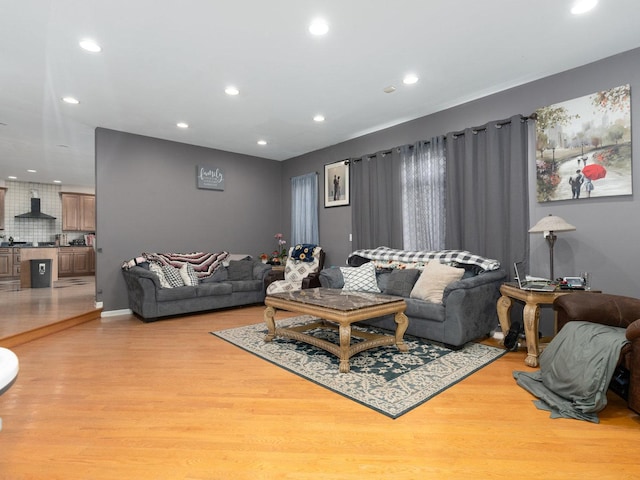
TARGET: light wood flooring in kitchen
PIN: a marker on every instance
(29, 313)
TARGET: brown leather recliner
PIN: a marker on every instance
(613, 310)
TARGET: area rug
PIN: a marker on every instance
(383, 379)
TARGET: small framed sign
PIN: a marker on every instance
(210, 178)
(336, 184)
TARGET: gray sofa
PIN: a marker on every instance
(467, 312)
(241, 282)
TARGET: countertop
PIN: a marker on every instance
(40, 245)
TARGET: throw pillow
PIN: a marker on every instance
(172, 274)
(361, 279)
(303, 252)
(188, 275)
(157, 269)
(220, 275)
(240, 270)
(433, 280)
(401, 282)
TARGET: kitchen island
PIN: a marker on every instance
(36, 253)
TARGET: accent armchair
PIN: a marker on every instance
(615, 311)
(301, 270)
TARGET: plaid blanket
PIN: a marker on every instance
(443, 256)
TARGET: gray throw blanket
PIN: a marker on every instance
(575, 370)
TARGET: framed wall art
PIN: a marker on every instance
(583, 147)
(209, 178)
(336, 184)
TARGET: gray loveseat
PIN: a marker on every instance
(240, 282)
(467, 312)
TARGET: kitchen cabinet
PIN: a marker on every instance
(16, 262)
(3, 190)
(6, 262)
(74, 261)
(78, 212)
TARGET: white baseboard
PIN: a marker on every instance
(116, 313)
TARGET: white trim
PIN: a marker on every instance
(115, 313)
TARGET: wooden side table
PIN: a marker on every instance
(531, 315)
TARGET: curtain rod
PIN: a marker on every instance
(475, 130)
(499, 124)
(347, 161)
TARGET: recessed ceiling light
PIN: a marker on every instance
(71, 100)
(410, 79)
(182, 125)
(583, 6)
(318, 118)
(90, 46)
(389, 89)
(12, 177)
(318, 27)
(57, 181)
(231, 90)
(262, 142)
(31, 170)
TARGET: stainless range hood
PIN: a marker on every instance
(35, 211)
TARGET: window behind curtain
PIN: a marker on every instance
(304, 209)
(423, 195)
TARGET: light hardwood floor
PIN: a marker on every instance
(27, 313)
(121, 399)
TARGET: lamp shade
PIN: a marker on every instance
(552, 223)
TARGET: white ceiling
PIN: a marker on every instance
(169, 61)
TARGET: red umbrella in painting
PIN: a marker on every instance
(594, 171)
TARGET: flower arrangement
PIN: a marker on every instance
(281, 245)
(279, 254)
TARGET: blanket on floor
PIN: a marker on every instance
(575, 370)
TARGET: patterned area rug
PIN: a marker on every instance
(382, 378)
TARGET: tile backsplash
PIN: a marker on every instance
(18, 201)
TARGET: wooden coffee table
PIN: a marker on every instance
(335, 306)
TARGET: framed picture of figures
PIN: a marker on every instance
(583, 147)
(336, 184)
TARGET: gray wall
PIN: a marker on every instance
(147, 201)
(608, 230)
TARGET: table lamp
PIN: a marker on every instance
(548, 225)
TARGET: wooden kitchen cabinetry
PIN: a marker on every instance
(9, 262)
(78, 212)
(73, 261)
(3, 190)
(6, 262)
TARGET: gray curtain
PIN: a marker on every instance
(487, 201)
(376, 200)
(304, 209)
